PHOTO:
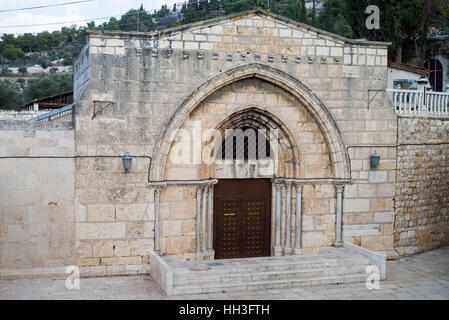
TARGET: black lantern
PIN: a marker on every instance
(374, 160)
(127, 161)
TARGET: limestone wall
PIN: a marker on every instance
(37, 187)
(142, 81)
(20, 115)
(422, 189)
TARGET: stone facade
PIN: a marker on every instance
(135, 92)
(151, 84)
(422, 210)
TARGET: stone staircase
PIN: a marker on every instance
(330, 266)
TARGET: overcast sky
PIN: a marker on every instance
(9, 21)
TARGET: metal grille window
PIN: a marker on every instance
(245, 143)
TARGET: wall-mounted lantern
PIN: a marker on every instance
(374, 160)
(127, 161)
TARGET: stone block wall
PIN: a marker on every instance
(114, 212)
(21, 115)
(142, 79)
(422, 189)
(37, 186)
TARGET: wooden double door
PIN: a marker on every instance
(242, 218)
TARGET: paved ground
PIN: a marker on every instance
(421, 276)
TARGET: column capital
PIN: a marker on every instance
(299, 186)
(199, 190)
(158, 189)
(278, 185)
(340, 187)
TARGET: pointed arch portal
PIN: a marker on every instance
(327, 124)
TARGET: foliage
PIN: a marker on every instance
(47, 85)
(10, 95)
(5, 71)
(12, 53)
(22, 70)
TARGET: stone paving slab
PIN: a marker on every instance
(422, 276)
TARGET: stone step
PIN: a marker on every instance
(269, 284)
(283, 265)
(266, 275)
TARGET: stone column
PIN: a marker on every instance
(338, 234)
(157, 196)
(298, 226)
(210, 217)
(277, 250)
(199, 191)
(288, 214)
(204, 221)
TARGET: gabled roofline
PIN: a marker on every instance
(214, 21)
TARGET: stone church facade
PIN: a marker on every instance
(324, 95)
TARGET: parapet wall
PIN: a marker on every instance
(422, 185)
(21, 115)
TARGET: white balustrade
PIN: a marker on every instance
(420, 103)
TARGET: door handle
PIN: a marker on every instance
(229, 214)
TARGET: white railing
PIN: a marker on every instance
(420, 103)
(55, 114)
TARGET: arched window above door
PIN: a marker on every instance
(245, 143)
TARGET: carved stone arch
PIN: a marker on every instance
(327, 124)
(261, 117)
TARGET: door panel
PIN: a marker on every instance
(253, 227)
(229, 235)
(242, 218)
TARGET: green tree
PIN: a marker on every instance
(135, 20)
(313, 14)
(112, 24)
(47, 85)
(162, 13)
(398, 22)
(332, 18)
(22, 70)
(12, 53)
(10, 95)
(303, 16)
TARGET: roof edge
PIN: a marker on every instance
(168, 31)
(408, 68)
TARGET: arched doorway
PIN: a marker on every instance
(436, 74)
(308, 146)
